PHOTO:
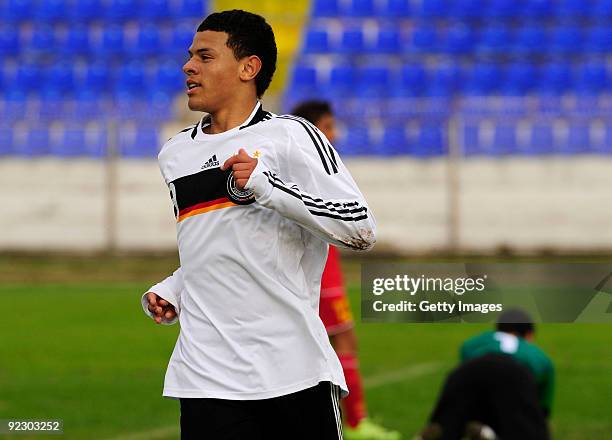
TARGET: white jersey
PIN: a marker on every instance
(247, 291)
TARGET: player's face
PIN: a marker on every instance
(212, 72)
(327, 124)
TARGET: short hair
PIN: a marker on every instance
(248, 34)
(312, 110)
(515, 321)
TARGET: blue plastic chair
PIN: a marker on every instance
(97, 77)
(504, 139)
(356, 142)
(467, 9)
(433, 9)
(29, 77)
(471, 139)
(359, 8)
(459, 40)
(112, 42)
(483, 79)
(18, 10)
(9, 41)
(424, 39)
(592, 78)
(325, 8)
(122, 10)
(411, 81)
(83, 11)
(503, 9)
(599, 40)
(352, 41)
(37, 142)
(374, 81)
(304, 78)
(316, 41)
(6, 139)
(494, 40)
(519, 79)
(73, 143)
(87, 104)
(190, 9)
(388, 41)
(393, 9)
(538, 9)
(169, 77)
(601, 10)
(578, 139)
(572, 9)
(394, 140)
(60, 77)
(180, 40)
(77, 41)
(443, 80)
(131, 79)
(554, 79)
(566, 40)
(138, 142)
(42, 40)
(156, 10)
(148, 41)
(529, 41)
(51, 10)
(541, 139)
(15, 106)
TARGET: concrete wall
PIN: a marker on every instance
(526, 204)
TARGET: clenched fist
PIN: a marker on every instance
(161, 309)
(242, 166)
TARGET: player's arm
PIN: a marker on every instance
(313, 188)
(162, 302)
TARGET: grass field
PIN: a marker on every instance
(76, 346)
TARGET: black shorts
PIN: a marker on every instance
(495, 390)
(313, 413)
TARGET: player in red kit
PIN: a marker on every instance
(335, 310)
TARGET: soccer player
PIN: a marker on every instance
(335, 310)
(257, 199)
(504, 386)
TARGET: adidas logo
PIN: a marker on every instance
(212, 162)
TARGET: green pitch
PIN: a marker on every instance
(84, 352)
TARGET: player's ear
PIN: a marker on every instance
(249, 67)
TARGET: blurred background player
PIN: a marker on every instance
(335, 310)
(503, 386)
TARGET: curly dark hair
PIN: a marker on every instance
(248, 34)
(312, 110)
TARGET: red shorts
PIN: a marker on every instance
(334, 308)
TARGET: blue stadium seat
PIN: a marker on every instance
(601, 10)
(325, 8)
(541, 139)
(359, 8)
(29, 77)
(352, 41)
(503, 9)
(467, 9)
(138, 142)
(443, 80)
(304, 78)
(482, 79)
(431, 140)
(88, 104)
(470, 139)
(122, 10)
(97, 77)
(180, 40)
(190, 9)
(412, 81)
(459, 40)
(48, 11)
(572, 9)
(112, 42)
(6, 139)
(433, 9)
(18, 10)
(76, 41)
(131, 79)
(52, 105)
(538, 9)
(9, 41)
(494, 40)
(529, 41)
(394, 140)
(566, 40)
(316, 41)
(42, 40)
(356, 141)
(169, 77)
(156, 10)
(60, 77)
(159, 106)
(504, 139)
(84, 11)
(519, 79)
(342, 81)
(97, 139)
(148, 41)
(592, 78)
(393, 9)
(36, 142)
(388, 41)
(554, 78)
(599, 40)
(73, 143)
(374, 82)
(578, 139)
(16, 105)
(424, 39)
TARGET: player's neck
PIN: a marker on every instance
(231, 116)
